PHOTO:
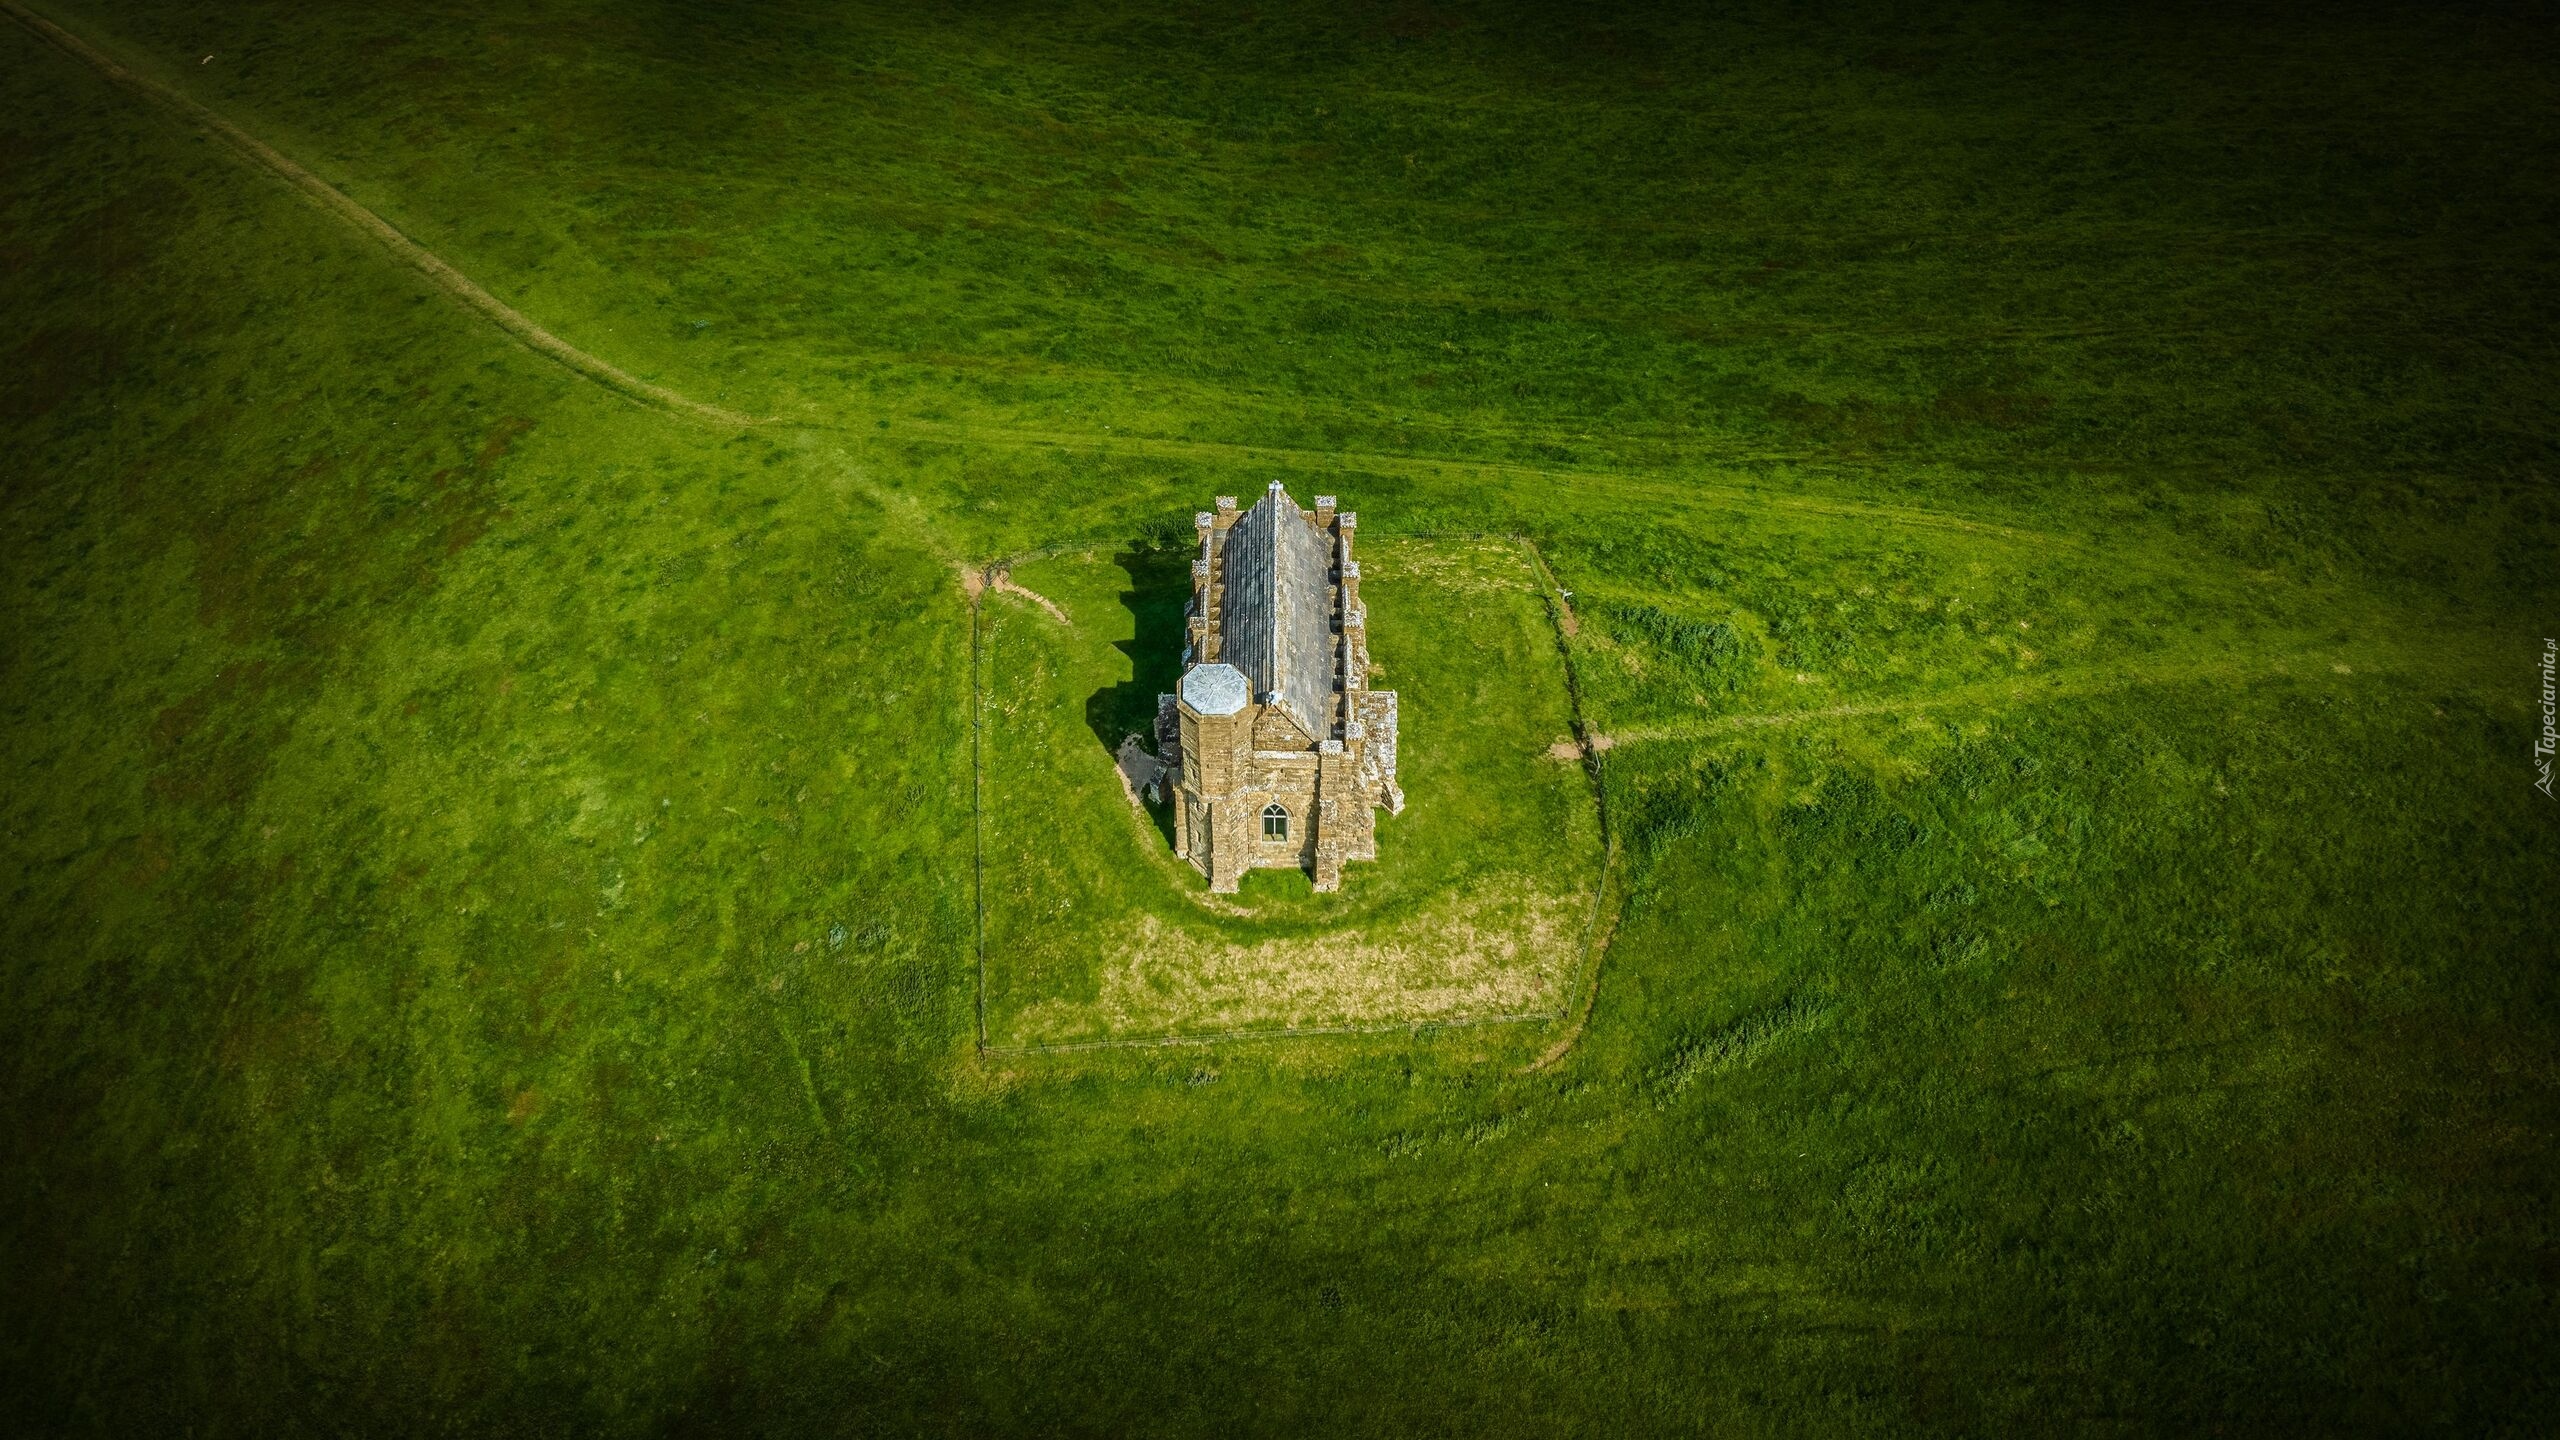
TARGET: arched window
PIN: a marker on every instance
(1275, 823)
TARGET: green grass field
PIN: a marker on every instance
(2056, 505)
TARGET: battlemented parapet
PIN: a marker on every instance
(1278, 753)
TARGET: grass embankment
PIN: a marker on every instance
(487, 866)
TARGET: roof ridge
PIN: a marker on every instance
(1277, 617)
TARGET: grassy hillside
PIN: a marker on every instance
(2056, 508)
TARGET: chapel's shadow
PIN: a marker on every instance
(1159, 590)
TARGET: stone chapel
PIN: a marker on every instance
(1277, 752)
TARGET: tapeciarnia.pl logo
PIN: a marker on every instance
(2543, 745)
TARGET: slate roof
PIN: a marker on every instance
(1276, 624)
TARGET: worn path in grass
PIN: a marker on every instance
(451, 281)
(2447, 657)
(1619, 484)
(458, 286)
